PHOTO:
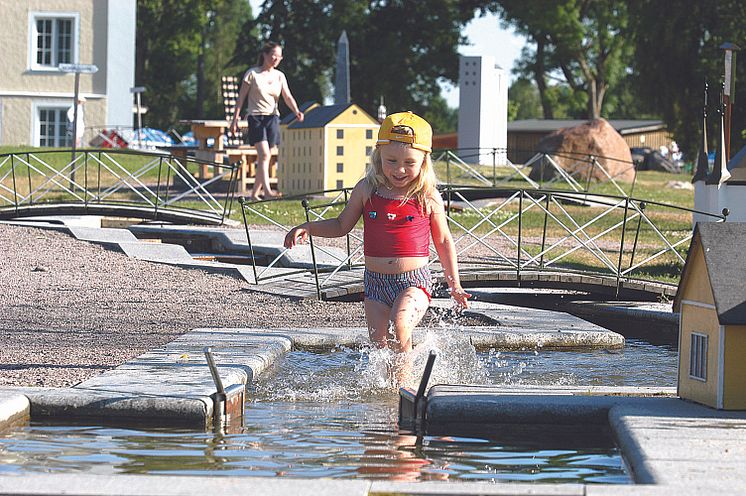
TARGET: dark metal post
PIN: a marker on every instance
(448, 167)
(590, 173)
(347, 236)
(637, 234)
(158, 184)
(28, 174)
(313, 251)
(544, 232)
(520, 218)
(621, 247)
(228, 206)
(494, 168)
(85, 180)
(242, 201)
(15, 188)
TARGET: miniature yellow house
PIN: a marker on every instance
(711, 300)
(328, 150)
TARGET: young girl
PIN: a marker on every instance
(401, 210)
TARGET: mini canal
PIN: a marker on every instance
(334, 415)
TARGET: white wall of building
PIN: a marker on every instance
(483, 110)
(120, 57)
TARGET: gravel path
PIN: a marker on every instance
(70, 310)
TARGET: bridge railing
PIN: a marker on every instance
(577, 172)
(153, 185)
(529, 231)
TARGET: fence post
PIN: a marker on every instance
(85, 179)
(158, 185)
(494, 168)
(621, 247)
(590, 173)
(637, 234)
(15, 188)
(28, 174)
(520, 225)
(347, 236)
(448, 167)
(242, 201)
(304, 202)
(544, 233)
(228, 206)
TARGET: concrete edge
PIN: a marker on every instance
(634, 456)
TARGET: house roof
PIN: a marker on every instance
(722, 245)
(320, 116)
(549, 125)
(290, 117)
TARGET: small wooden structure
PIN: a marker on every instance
(216, 151)
(711, 300)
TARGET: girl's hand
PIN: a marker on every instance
(461, 296)
(234, 126)
(296, 235)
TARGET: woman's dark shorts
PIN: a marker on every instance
(264, 128)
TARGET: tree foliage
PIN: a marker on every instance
(172, 36)
(677, 49)
(581, 41)
(399, 50)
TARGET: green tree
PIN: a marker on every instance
(582, 41)
(398, 49)
(180, 49)
(677, 49)
(524, 100)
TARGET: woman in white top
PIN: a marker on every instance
(263, 85)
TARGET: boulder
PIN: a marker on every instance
(571, 148)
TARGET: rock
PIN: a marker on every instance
(570, 148)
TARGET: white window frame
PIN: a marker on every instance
(36, 123)
(698, 357)
(33, 37)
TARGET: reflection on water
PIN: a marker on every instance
(334, 415)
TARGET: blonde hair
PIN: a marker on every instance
(419, 189)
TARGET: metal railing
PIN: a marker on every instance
(525, 230)
(142, 184)
(579, 172)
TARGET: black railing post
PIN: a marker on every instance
(544, 232)
(313, 250)
(242, 201)
(232, 184)
(347, 236)
(637, 235)
(621, 247)
(590, 173)
(85, 179)
(494, 168)
(448, 167)
(520, 226)
(28, 173)
(158, 184)
(15, 188)
(98, 178)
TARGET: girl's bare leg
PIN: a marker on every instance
(377, 316)
(409, 308)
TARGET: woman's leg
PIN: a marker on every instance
(261, 175)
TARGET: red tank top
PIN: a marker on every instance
(393, 229)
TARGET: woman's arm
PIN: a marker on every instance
(331, 228)
(290, 101)
(446, 249)
(243, 92)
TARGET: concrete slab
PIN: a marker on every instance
(476, 488)
(155, 485)
(102, 235)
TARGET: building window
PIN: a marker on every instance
(368, 134)
(698, 357)
(340, 167)
(368, 150)
(340, 184)
(53, 39)
(340, 133)
(340, 150)
(52, 126)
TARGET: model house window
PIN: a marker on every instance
(698, 357)
(340, 133)
(368, 150)
(340, 167)
(340, 150)
(368, 134)
(340, 184)
(53, 39)
(52, 126)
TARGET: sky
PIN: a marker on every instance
(486, 38)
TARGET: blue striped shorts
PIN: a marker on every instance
(387, 287)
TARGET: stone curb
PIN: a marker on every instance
(14, 408)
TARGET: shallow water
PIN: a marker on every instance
(334, 415)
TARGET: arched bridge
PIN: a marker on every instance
(119, 183)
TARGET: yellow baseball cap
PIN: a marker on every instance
(421, 137)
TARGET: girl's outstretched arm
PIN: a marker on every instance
(331, 228)
(443, 242)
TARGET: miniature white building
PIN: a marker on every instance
(483, 110)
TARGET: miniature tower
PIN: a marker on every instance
(483, 110)
(342, 76)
